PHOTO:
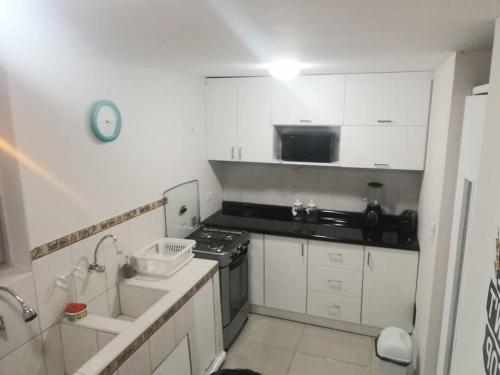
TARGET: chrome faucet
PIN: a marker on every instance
(28, 313)
(95, 266)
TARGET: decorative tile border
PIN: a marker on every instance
(70, 239)
(156, 325)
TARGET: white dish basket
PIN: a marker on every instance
(164, 257)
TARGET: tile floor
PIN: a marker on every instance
(281, 347)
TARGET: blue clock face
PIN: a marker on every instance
(106, 122)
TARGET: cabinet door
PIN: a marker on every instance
(177, 363)
(394, 98)
(222, 121)
(255, 132)
(309, 100)
(390, 281)
(286, 273)
(202, 333)
(256, 269)
(394, 147)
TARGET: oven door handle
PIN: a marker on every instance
(237, 262)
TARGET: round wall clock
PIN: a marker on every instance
(105, 120)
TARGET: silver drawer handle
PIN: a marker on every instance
(335, 283)
(334, 310)
(239, 153)
(385, 121)
(305, 121)
(232, 152)
(381, 165)
(336, 256)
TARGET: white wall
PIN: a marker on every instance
(478, 271)
(330, 188)
(63, 180)
(76, 181)
(453, 80)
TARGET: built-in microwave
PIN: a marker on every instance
(314, 147)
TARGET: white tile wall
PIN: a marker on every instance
(99, 291)
(28, 359)
(138, 363)
(51, 299)
(331, 188)
(17, 332)
(162, 343)
(53, 351)
(77, 352)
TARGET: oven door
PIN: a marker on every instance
(234, 288)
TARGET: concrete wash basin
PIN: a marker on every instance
(83, 339)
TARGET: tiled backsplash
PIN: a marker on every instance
(81, 234)
(41, 339)
(331, 188)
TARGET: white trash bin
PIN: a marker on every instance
(394, 348)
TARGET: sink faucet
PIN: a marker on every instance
(28, 313)
(95, 266)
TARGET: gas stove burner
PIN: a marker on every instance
(215, 247)
(206, 235)
(228, 237)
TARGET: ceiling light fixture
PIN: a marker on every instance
(284, 70)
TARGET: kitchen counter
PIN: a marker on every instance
(335, 226)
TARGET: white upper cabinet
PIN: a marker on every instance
(386, 147)
(390, 282)
(222, 121)
(388, 98)
(309, 100)
(239, 119)
(255, 133)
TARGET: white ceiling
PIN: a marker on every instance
(235, 37)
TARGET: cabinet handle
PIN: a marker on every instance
(381, 165)
(232, 153)
(338, 256)
(335, 284)
(336, 309)
(385, 121)
(305, 121)
(302, 249)
(239, 152)
(369, 259)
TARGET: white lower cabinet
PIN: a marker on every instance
(286, 273)
(177, 363)
(389, 285)
(202, 333)
(256, 269)
(335, 281)
(332, 306)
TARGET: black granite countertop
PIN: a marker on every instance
(334, 226)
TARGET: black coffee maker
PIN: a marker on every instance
(373, 215)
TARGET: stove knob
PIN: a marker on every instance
(246, 242)
(240, 248)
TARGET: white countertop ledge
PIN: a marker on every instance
(176, 286)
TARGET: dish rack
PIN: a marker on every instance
(164, 257)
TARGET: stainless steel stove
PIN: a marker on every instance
(230, 249)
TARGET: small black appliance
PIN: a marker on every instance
(374, 213)
(408, 224)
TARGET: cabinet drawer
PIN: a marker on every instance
(337, 255)
(335, 281)
(335, 307)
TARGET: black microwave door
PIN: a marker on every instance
(308, 148)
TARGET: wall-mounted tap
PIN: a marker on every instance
(28, 313)
(95, 266)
